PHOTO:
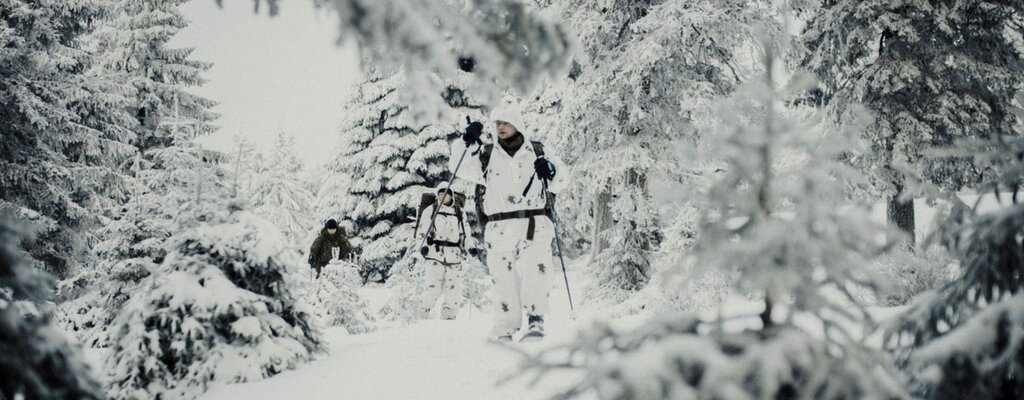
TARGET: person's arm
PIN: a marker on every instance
(346, 247)
(562, 175)
(422, 222)
(470, 169)
(468, 230)
(314, 250)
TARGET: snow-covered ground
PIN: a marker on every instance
(430, 359)
(434, 359)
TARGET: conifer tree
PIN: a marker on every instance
(36, 362)
(772, 218)
(64, 126)
(166, 168)
(930, 72)
(962, 341)
(223, 306)
(279, 195)
(618, 116)
(132, 242)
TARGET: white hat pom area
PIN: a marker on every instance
(509, 113)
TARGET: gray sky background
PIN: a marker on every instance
(283, 72)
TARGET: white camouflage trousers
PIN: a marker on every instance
(446, 279)
(520, 273)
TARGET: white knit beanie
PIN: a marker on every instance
(510, 113)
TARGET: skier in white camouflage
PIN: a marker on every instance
(517, 174)
(442, 250)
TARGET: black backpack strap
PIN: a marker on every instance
(485, 157)
(462, 226)
(416, 227)
(478, 200)
(538, 148)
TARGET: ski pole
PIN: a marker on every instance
(558, 247)
(472, 285)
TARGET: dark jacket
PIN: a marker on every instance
(320, 251)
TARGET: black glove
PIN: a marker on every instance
(545, 169)
(473, 252)
(424, 250)
(473, 132)
(310, 261)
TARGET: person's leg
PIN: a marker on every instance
(318, 269)
(533, 266)
(507, 314)
(454, 276)
(433, 285)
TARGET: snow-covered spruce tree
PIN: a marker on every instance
(128, 251)
(223, 306)
(36, 362)
(243, 162)
(929, 71)
(132, 45)
(279, 195)
(132, 240)
(619, 114)
(64, 128)
(332, 189)
(772, 218)
(390, 162)
(335, 299)
(964, 340)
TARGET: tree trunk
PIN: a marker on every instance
(898, 213)
(901, 215)
(638, 179)
(602, 219)
(766, 315)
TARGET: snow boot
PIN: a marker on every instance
(447, 314)
(536, 329)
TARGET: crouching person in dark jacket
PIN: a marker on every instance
(331, 244)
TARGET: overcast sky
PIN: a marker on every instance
(282, 72)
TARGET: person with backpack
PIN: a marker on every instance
(330, 244)
(442, 249)
(517, 177)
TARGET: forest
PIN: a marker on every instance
(753, 199)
